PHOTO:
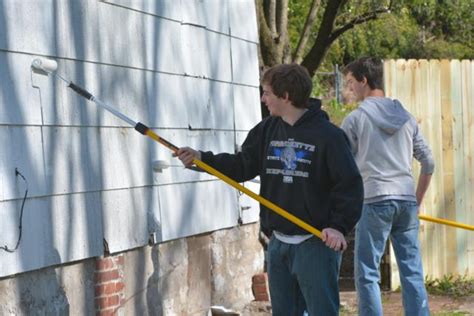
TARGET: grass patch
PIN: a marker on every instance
(450, 285)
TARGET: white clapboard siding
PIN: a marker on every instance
(245, 62)
(211, 14)
(208, 104)
(51, 28)
(21, 149)
(243, 10)
(133, 39)
(21, 101)
(247, 107)
(170, 9)
(249, 207)
(180, 67)
(215, 141)
(56, 229)
(193, 208)
(207, 53)
(135, 208)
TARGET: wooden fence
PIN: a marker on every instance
(440, 94)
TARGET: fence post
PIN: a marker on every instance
(337, 84)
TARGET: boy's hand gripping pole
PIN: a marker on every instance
(295, 220)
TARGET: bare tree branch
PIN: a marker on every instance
(282, 29)
(271, 14)
(282, 16)
(262, 25)
(265, 35)
(298, 55)
(326, 34)
(367, 16)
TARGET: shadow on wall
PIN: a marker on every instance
(154, 299)
(42, 293)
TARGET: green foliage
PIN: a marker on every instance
(338, 111)
(420, 29)
(456, 286)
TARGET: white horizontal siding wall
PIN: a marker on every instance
(187, 69)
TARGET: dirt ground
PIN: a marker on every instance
(392, 304)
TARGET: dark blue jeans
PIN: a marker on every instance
(303, 277)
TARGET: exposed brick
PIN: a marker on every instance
(260, 287)
(107, 312)
(101, 303)
(109, 285)
(262, 298)
(106, 289)
(104, 264)
(113, 300)
(102, 277)
(119, 286)
(259, 278)
(120, 260)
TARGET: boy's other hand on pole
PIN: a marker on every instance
(334, 239)
(187, 155)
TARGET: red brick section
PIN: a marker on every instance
(260, 287)
(109, 284)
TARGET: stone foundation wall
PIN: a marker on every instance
(181, 277)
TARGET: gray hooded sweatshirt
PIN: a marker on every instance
(384, 138)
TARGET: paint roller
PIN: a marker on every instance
(44, 65)
(48, 67)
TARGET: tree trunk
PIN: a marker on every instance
(273, 31)
(316, 55)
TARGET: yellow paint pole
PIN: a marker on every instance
(445, 222)
(144, 130)
(295, 220)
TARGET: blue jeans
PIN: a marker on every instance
(399, 221)
(303, 277)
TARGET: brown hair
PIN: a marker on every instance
(292, 79)
(370, 68)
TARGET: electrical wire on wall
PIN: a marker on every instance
(6, 248)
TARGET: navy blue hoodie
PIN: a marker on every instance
(307, 169)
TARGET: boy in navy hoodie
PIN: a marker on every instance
(385, 138)
(306, 167)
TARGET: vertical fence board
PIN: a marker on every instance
(438, 255)
(447, 119)
(459, 163)
(468, 141)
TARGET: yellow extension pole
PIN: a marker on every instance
(445, 222)
(295, 220)
(143, 129)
